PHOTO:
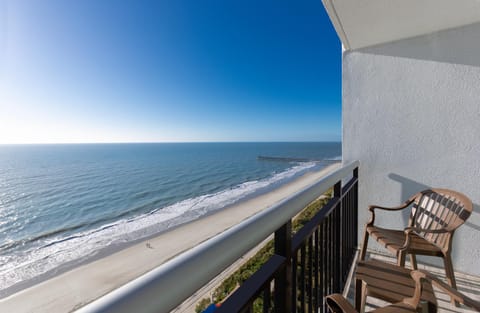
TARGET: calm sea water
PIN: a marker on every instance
(64, 203)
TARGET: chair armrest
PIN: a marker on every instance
(409, 230)
(425, 230)
(396, 208)
(419, 275)
(338, 304)
(371, 208)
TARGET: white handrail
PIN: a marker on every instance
(165, 287)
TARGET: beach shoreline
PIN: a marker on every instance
(84, 281)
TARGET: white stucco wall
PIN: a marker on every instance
(411, 115)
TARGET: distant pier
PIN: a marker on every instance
(288, 159)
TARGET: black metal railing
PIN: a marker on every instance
(307, 265)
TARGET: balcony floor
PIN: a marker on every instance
(467, 284)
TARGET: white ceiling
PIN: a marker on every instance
(363, 23)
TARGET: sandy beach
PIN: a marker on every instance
(73, 289)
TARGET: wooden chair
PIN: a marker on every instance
(338, 304)
(435, 215)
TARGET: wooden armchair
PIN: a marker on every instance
(338, 304)
(435, 215)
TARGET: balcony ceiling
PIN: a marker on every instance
(363, 23)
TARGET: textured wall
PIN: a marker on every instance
(411, 115)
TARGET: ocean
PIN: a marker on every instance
(61, 205)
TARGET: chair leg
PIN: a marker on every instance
(450, 274)
(363, 252)
(401, 258)
(431, 308)
(413, 260)
(358, 294)
(449, 271)
(364, 298)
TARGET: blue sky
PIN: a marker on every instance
(176, 70)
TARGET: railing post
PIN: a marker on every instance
(338, 241)
(283, 280)
(355, 208)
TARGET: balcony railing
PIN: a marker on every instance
(306, 266)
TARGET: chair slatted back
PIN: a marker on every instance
(436, 209)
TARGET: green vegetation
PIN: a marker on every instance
(262, 256)
(202, 305)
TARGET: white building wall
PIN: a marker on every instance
(411, 115)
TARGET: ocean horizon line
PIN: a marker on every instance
(158, 142)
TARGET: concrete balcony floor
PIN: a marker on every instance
(467, 284)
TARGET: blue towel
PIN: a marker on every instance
(210, 309)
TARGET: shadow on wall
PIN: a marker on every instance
(410, 187)
(457, 46)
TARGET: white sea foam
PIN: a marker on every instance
(60, 250)
(337, 158)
